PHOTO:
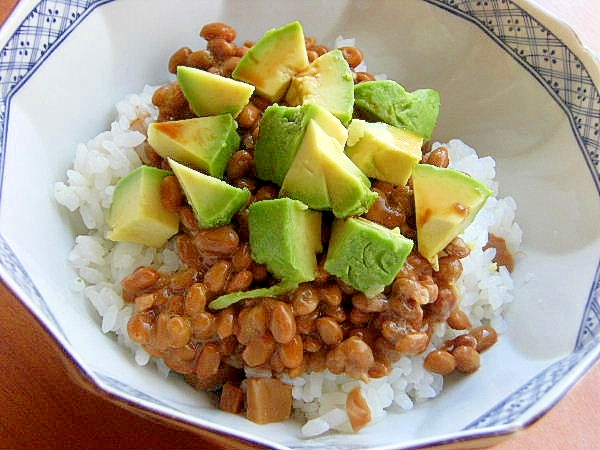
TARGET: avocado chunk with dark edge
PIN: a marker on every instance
(389, 102)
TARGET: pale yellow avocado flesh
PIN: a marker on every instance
(273, 60)
(213, 200)
(137, 214)
(204, 143)
(282, 131)
(306, 179)
(446, 202)
(383, 151)
(210, 94)
(327, 82)
(323, 177)
(349, 188)
(330, 125)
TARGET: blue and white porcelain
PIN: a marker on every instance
(515, 83)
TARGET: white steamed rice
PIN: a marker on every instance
(319, 398)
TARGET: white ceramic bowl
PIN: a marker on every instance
(515, 84)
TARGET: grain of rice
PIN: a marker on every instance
(141, 356)
(336, 417)
(315, 427)
(109, 319)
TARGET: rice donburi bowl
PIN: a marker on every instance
(499, 95)
(326, 349)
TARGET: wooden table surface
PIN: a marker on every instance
(42, 407)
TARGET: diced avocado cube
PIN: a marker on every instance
(204, 143)
(327, 82)
(213, 200)
(210, 94)
(366, 255)
(137, 214)
(273, 60)
(305, 180)
(285, 236)
(383, 151)
(282, 130)
(446, 202)
(387, 101)
(349, 188)
(323, 177)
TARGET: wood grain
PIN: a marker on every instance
(43, 406)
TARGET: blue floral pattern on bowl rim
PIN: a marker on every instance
(536, 48)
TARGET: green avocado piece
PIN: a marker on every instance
(136, 213)
(323, 177)
(387, 101)
(285, 236)
(383, 151)
(366, 255)
(446, 202)
(210, 94)
(273, 60)
(282, 130)
(349, 188)
(223, 301)
(305, 179)
(204, 143)
(328, 82)
(213, 200)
